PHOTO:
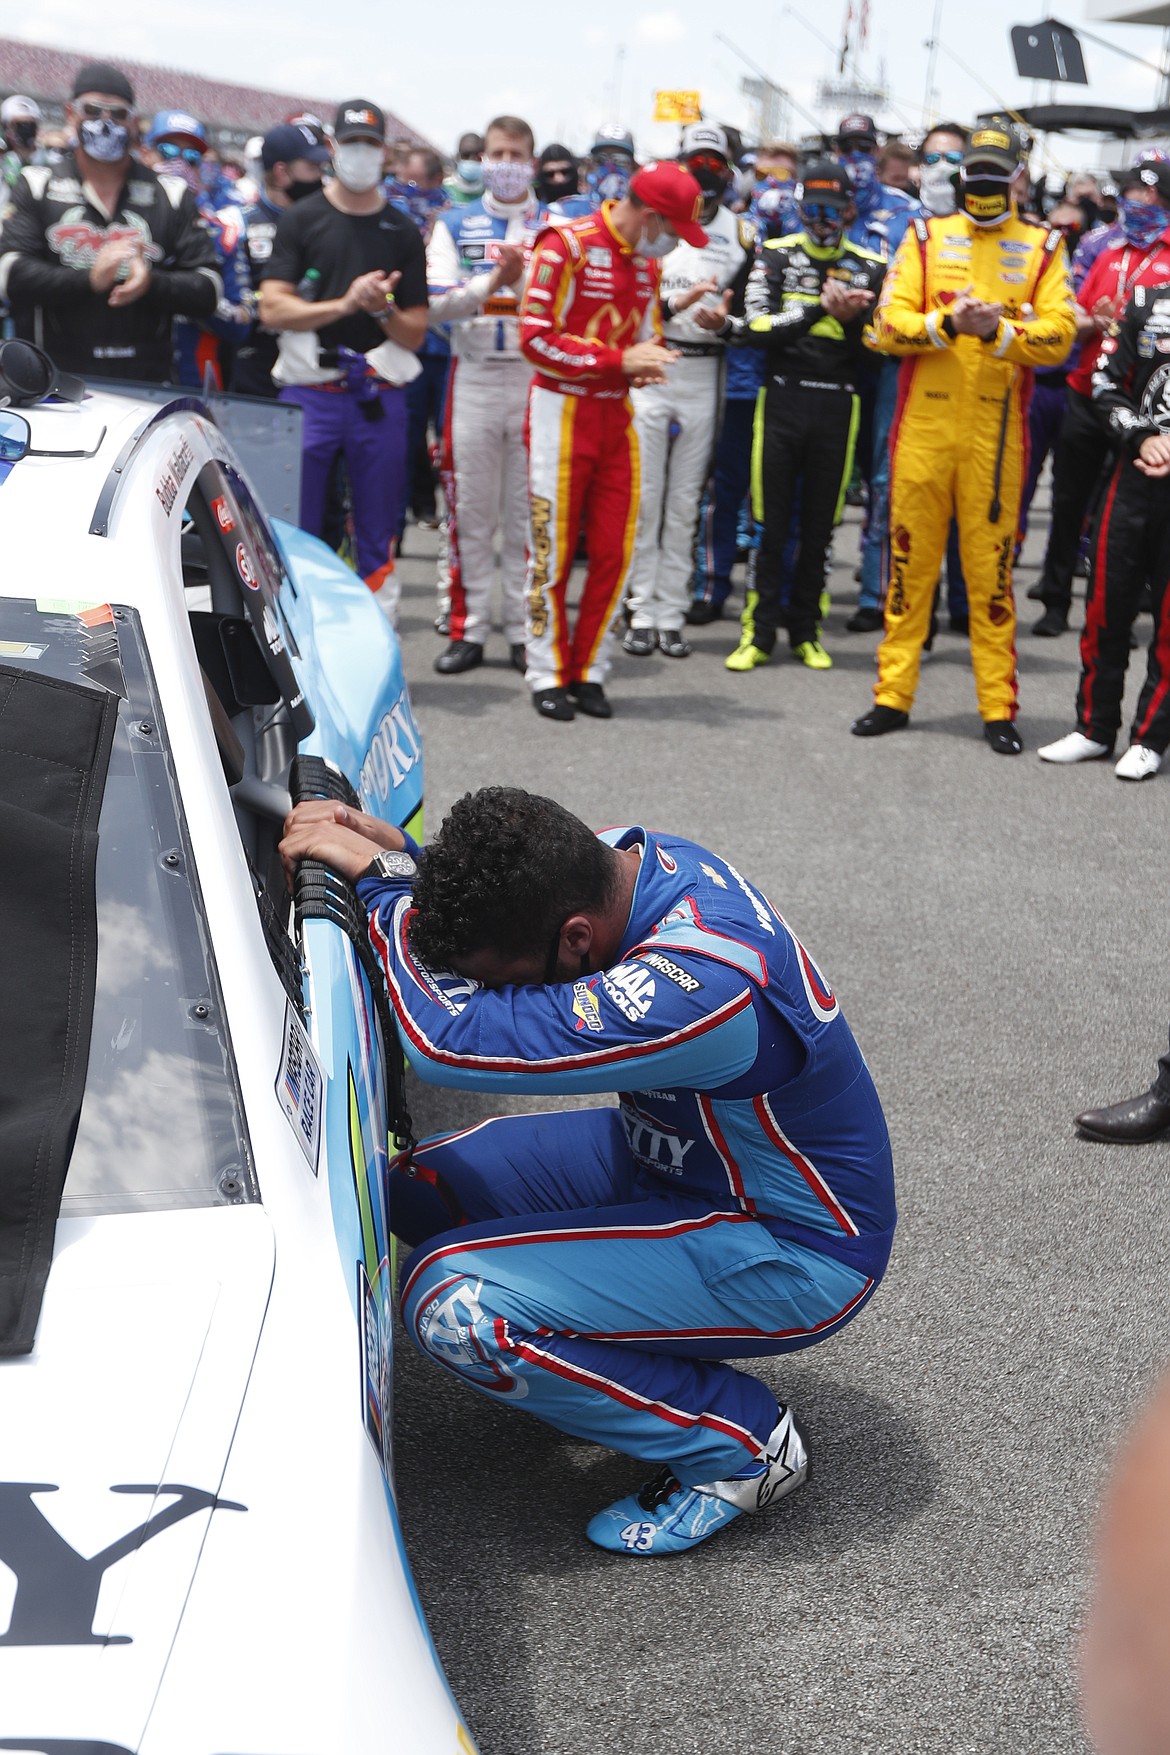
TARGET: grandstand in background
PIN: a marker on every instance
(231, 113)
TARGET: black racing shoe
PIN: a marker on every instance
(700, 614)
(671, 642)
(1127, 1124)
(1036, 592)
(640, 642)
(1003, 737)
(878, 721)
(865, 621)
(460, 655)
(1051, 623)
(591, 700)
(553, 704)
(518, 656)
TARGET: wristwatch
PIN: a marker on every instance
(399, 866)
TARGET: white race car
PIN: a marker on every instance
(199, 1548)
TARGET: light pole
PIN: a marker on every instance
(931, 65)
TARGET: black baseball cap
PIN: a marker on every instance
(292, 140)
(359, 119)
(857, 128)
(99, 76)
(1150, 174)
(823, 181)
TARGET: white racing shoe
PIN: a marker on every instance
(1076, 747)
(1138, 763)
(664, 1517)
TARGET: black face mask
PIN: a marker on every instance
(298, 189)
(550, 189)
(22, 135)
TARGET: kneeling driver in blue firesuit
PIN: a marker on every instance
(599, 1266)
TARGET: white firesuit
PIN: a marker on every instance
(484, 462)
(673, 473)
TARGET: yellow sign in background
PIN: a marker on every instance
(677, 106)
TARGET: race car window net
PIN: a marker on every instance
(162, 1123)
(55, 739)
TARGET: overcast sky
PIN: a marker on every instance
(450, 67)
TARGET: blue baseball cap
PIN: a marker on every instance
(292, 140)
(166, 124)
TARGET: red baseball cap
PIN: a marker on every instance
(668, 189)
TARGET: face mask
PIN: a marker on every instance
(824, 225)
(192, 175)
(470, 173)
(22, 136)
(662, 245)
(508, 183)
(985, 199)
(358, 164)
(550, 189)
(863, 175)
(609, 182)
(1141, 224)
(297, 190)
(938, 187)
(104, 140)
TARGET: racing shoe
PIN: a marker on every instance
(701, 613)
(553, 704)
(460, 655)
(1051, 624)
(812, 655)
(746, 655)
(1138, 763)
(591, 700)
(1076, 747)
(665, 1517)
(878, 721)
(640, 642)
(518, 656)
(1003, 737)
(671, 642)
(865, 620)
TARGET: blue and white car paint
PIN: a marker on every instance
(202, 1434)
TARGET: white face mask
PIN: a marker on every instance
(662, 245)
(506, 181)
(936, 186)
(358, 165)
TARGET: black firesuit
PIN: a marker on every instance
(806, 416)
(1131, 542)
(50, 234)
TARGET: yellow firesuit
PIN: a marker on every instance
(959, 439)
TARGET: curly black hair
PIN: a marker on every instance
(506, 869)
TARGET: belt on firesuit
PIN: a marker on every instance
(694, 350)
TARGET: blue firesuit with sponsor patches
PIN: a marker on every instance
(601, 1265)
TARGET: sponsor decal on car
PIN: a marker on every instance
(300, 1087)
(245, 568)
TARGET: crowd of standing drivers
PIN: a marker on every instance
(655, 369)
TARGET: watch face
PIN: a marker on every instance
(396, 865)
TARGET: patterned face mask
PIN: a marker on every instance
(508, 182)
(1141, 223)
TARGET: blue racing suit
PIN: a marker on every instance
(211, 342)
(601, 1265)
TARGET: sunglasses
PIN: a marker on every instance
(115, 112)
(192, 155)
(937, 158)
(707, 161)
